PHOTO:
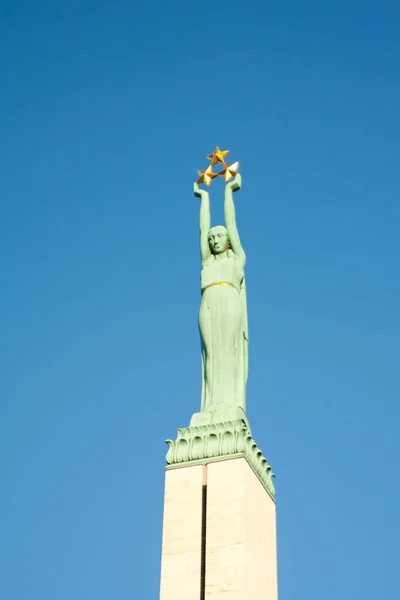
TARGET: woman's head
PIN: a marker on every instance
(218, 239)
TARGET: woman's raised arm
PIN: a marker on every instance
(230, 218)
(205, 222)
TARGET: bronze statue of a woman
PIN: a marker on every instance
(223, 311)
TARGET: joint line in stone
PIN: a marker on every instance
(203, 542)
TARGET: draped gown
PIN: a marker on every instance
(223, 332)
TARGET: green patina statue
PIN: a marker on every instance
(221, 429)
(223, 313)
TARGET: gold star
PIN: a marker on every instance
(217, 156)
(229, 172)
(206, 176)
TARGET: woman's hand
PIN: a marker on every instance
(236, 183)
(198, 192)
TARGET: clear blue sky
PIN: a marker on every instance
(106, 111)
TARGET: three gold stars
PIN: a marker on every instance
(217, 157)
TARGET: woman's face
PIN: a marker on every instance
(218, 240)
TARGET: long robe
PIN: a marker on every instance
(224, 334)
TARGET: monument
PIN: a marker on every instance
(219, 531)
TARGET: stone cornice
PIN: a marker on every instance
(218, 441)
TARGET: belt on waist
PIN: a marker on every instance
(217, 283)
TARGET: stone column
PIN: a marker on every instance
(219, 536)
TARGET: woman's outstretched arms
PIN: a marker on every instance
(205, 222)
(230, 218)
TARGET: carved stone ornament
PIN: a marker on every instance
(218, 441)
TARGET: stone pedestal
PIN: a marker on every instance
(219, 538)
